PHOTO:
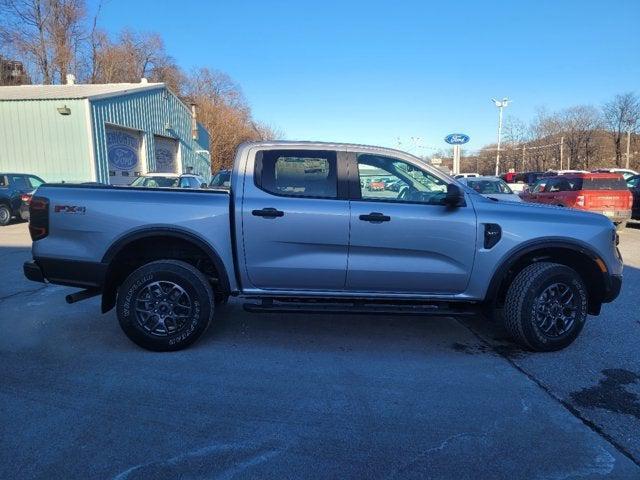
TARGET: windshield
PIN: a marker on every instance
(154, 182)
(222, 179)
(485, 187)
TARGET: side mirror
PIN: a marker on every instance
(455, 196)
(203, 185)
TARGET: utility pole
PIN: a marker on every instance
(501, 104)
(628, 147)
(561, 151)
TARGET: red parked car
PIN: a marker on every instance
(605, 193)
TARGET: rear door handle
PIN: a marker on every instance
(268, 213)
(375, 217)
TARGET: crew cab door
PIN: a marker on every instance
(295, 219)
(406, 241)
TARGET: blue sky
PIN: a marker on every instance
(370, 71)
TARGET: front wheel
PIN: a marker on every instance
(546, 307)
(165, 305)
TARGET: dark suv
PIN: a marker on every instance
(15, 188)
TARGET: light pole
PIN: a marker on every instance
(501, 104)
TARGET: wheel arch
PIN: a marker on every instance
(572, 253)
(153, 237)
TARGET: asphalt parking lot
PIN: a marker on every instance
(311, 396)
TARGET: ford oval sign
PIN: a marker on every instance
(456, 139)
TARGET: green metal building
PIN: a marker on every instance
(107, 133)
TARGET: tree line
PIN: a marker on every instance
(583, 137)
(54, 38)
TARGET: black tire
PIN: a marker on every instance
(531, 306)
(5, 215)
(170, 287)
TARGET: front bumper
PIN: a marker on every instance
(613, 285)
(24, 212)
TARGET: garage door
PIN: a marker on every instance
(166, 151)
(123, 147)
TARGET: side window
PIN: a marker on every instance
(392, 180)
(297, 173)
(18, 182)
(34, 181)
(184, 183)
(195, 182)
(552, 186)
(4, 182)
(539, 187)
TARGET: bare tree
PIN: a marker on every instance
(223, 109)
(47, 34)
(621, 114)
(579, 125)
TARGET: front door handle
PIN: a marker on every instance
(268, 213)
(375, 217)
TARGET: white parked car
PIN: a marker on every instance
(466, 175)
(491, 187)
(625, 172)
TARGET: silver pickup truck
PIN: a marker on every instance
(324, 227)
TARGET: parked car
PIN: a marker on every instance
(395, 185)
(466, 175)
(634, 186)
(491, 187)
(604, 193)
(12, 187)
(625, 172)
(550, 173)
(222, 179)
(376, 185)
(169, 180)
(306, 240)
(523, 180)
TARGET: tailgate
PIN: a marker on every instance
(602, 200)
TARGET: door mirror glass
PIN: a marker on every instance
(455, 196)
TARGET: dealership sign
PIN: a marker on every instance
(456, 139)
(122, 149)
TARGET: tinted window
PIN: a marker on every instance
(221, 179)
(194, 182)
(18, 181)
(3, 181)
(392, 180)
(600, 184)
(633, 182)
(298, 173)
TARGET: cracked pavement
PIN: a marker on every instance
(311, 396)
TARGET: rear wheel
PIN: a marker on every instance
(165, 305)
(546, 307)
(5, 215)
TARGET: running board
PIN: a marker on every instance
(359, 308)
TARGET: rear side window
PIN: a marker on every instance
(18, 181)
(296, 173)
(600, 184)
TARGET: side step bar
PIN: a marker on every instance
(363, 308)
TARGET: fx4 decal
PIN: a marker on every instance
(73, 209)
